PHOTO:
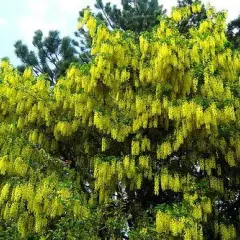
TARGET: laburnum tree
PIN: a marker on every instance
(141, 143)
(194, 19)
(136, 16)
(52, 57)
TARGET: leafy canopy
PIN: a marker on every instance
(137, 16)
(143, 141)
(233, 32)
(52, 57)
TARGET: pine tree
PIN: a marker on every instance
(135, 15)
(141, 142)
(233, 32)
(52, 57)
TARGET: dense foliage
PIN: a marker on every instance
(192, 20)
(142, 142)
(137, 15)
(233, 32)
(53, 54)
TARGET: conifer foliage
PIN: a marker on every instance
(141, 143)
(134, 15)
(52, 57)
(233, 32)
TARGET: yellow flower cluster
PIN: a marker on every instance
(104, 144)
(135, 147)
(230, 158)
(164, 150)
(216, 184)
(208, 164)
(166, 101)
(178, 227)
(227, 232)
(171, 181)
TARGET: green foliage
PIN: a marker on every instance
(53, 55)
(137, 16)
(194, 19)
(141, 142)
(233, 32)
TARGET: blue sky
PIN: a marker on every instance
(19, 19)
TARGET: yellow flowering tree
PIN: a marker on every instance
(142, 142)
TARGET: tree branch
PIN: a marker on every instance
(105, 14)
